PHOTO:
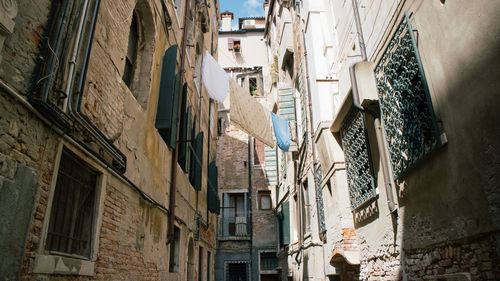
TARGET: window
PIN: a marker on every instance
(306, 220)
(173, 265)
(234, 214)
(236, 271)
(72, 215)
(358, 162)
(220, 129)
(168, 98)
(265, 202)
(268, 261)
(252, 83)
(284, 224)
(138, 59)
(405, 103)
(236, 46)
(131, 57)
(249, 22)
(184, 155)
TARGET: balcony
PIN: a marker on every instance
(233, 226)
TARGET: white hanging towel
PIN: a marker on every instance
(214, 78)
(248, 114)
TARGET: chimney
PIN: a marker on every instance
(227, 19)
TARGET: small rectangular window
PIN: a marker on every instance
(72, 215)
(237, 272)
(265, 202)
(173, 265)
(219, 126)
(252, 86)
(236, 46)
(268, 261)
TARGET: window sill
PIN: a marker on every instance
(51, 264)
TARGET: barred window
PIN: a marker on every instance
(268, 261)
(358, 162)
(406, 107)
(72, 215)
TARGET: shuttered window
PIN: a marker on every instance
(168, 98)
(72, 216)
(213, 200)
(184, 155)
(284, 224)
(197, 161)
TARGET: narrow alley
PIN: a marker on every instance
(250, 140)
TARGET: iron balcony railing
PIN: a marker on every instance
(233, 224)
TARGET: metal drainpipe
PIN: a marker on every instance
(249, 223)
(173, 168)
(385, 165)
(378, 126)
(74, 55)
(79, 116)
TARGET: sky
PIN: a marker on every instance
(243, 8)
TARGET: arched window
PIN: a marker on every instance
(138, 59)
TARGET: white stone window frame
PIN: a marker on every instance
(67, 264)
(257, 200)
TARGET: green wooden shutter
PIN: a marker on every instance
(187, 152)
(168, 98)
(185, 132)
(198, 161)
(285, 224)
(213, 201)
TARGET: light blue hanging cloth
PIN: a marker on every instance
(282, 132)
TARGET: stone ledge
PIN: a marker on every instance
(51, 264)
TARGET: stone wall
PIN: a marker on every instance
(130, 231)
(473, 258)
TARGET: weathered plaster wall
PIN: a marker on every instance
(131, 244)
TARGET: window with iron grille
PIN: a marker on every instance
(268, 261)
(407, 112)
(237, 271)
(358, 162)
(319, 199)
(72, 215)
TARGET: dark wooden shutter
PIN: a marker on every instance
(184, 133)
(213, 201)
(284, 221)
(198, 161)
(168, 98)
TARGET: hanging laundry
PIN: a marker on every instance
(282, 132)
(214, 78)
(249, 115)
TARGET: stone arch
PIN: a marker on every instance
(141, 83)
(190, 262)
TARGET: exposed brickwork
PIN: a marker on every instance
(131, 241)
(474, 256)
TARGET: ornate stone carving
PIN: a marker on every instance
(9, 8)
